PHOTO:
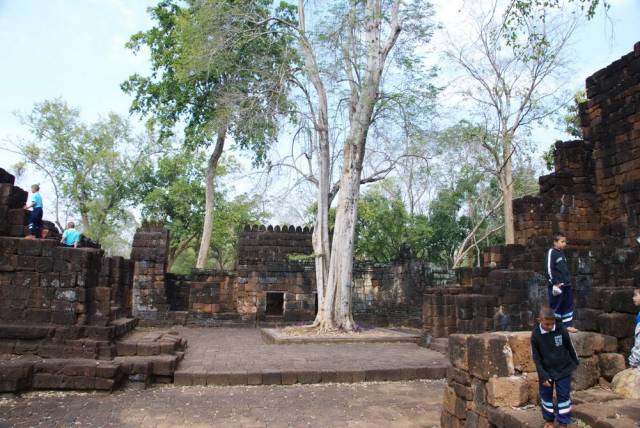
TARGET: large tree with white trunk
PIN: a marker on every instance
(348, 60)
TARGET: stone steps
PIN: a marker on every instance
(197, 376)
(148, 369)
(59, 373)
(150, 344)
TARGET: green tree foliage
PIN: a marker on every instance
(213, 68)
(572, 118)
(231, 215)
(172, 191)
(94, 167)
(219, 67)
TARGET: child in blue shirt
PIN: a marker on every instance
(35, 216)
(70, 236)
(634, 357)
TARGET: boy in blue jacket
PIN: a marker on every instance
(555, 359)
(559, 276)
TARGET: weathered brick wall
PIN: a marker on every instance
(493, 371)
(382, 294)
(12, 200)
(392, 294)
(260, 245)
(149, 252)
(594, 198)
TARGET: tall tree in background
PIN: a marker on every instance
(172, 191)
(365, 34)
(512, 86)
(93, 167)
(220, 74)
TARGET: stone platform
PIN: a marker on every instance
(240, 357)
(276, 336)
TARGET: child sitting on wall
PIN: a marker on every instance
(634, 357)
(555, 359)
(70, 236)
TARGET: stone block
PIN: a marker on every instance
(533, 387)
(475, 420)
(453, 404)
(105, 384)
(610, 364)
(627, 383)
(254, 378)
(447, 420)
(617, 324)
(30, 247)
(49, 381)
(8, 262)
(271, 378)
(509, 391)
(520, 343)
(587, 344)
(459, 351)
(479, 403)
(462, 391)
(586, 375)
(454, 374)
(490, 355)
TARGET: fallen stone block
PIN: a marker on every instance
(627, 383)
(586, 375)
(610, 364)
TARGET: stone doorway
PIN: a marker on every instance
(275, 304)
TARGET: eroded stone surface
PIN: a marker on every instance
(391, 404)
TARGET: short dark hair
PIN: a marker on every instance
(558, 235)
(36, 186)
(546, 313)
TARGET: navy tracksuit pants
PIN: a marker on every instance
(563, 396)
(35, 222)
(562, 304)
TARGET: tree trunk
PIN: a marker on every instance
(506, 185)
(207, 228)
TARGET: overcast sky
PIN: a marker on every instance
(74, 49)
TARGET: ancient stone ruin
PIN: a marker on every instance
(594, 197)
(64, 313)
(268, 287)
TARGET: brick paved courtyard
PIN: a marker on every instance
(384, 404)
(227, 355)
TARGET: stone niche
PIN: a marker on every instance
(593, 196)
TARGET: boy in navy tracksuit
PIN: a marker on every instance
(555, 359)
(559, 276)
